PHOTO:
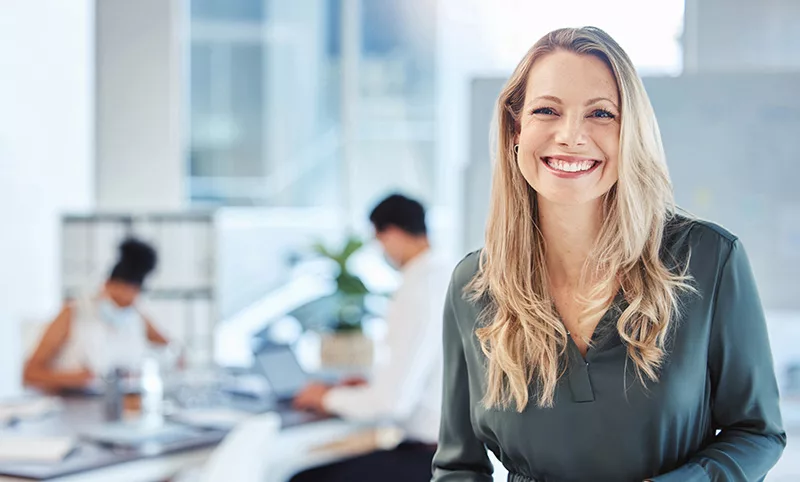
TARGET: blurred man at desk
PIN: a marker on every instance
(98, 332)
(407, 389)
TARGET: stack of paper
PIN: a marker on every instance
(23, 448)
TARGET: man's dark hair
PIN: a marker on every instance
(401, 212)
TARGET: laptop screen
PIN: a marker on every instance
(284, 374)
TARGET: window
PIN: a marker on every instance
(265, 103)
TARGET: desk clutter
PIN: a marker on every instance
(78, 439)
(47, 437)
(31, 448)
(134, 415)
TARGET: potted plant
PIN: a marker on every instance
(345, 345)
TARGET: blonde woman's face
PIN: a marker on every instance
(569, 128)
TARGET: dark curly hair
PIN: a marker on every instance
(137, 259)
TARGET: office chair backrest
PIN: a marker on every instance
(240, 456)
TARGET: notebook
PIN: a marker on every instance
(40, 449)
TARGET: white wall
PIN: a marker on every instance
(140, 108)
(46, 60)
(737, 35)
(480, 39)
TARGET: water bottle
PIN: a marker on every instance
(152, 390)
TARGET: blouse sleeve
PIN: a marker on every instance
(745, 404)
(460, 456)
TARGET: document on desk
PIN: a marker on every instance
(27, 408)
(24, 448)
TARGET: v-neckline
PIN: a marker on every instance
(602, 324)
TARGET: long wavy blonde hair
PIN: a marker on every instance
(521, 332)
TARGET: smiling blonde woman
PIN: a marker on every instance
(600, 335)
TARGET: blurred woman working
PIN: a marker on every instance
(95, 334)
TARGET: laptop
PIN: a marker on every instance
(279, 365)
(286, 378)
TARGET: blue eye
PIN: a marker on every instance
(544, 111)
(603, 114)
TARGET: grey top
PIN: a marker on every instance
(605, 427)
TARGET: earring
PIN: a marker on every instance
(516, 148)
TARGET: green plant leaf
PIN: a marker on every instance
(347, 327)
(321, 249)
(353, 245)
(351, 290)
(349, 284)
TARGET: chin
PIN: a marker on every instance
(568, 198)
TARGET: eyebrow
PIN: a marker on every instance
(594, 100)
(598, 99)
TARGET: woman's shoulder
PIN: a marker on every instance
(467, 310)
(465, 270)
(700, 236)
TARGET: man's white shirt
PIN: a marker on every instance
(407, 388)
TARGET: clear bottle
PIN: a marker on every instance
(152, 387)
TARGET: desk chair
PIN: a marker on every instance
(234, 458)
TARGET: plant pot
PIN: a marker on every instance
(346, 350)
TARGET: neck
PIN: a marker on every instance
(569, 234)
(416, 247)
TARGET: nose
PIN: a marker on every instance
(570, 132)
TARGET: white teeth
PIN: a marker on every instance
(560, 165)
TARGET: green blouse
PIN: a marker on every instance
(713, 415)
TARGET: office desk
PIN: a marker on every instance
(157, 469)
(80, 413)
(289, 451)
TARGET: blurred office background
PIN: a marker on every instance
(272, 124)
